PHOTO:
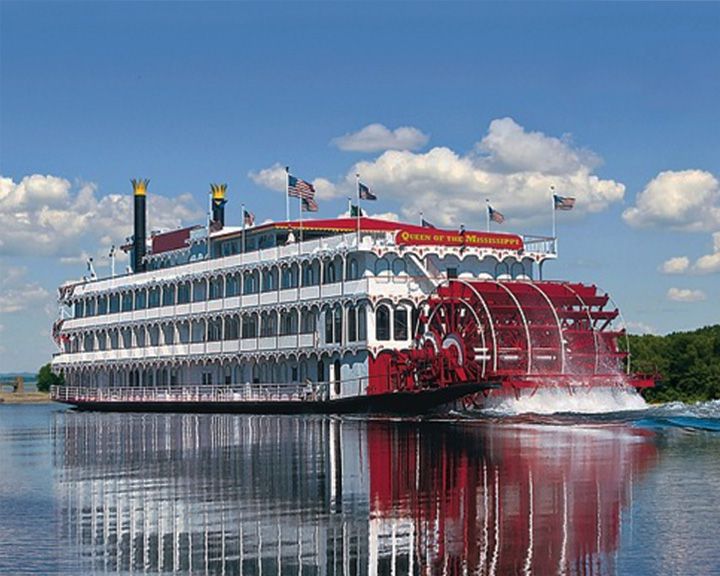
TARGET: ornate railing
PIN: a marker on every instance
(292, 392)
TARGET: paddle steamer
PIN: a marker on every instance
(328, 315)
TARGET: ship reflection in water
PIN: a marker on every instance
(304, 495)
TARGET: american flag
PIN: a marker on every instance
(364, 192)
(309, 205)
(248, 218)
(563, 202)
(496, 216)
(426, 224)
(300, 189)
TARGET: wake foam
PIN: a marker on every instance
(561, 400)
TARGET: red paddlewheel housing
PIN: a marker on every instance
(515, 333)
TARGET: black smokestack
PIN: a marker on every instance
(218, 205)
(139, 230)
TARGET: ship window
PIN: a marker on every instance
(398, 267)
(126, 334)
(251, 283)
(308, 322)
(353, 269)
(79, 309)
(231, 328)
(168, 295)
(362, 323)
(269, 279)
(183, 332)
(290, 277)
(382, 323)
(140, 300)
(168, 334)
(114, 339)
(214, 330)
(310, 275)
(216, 288)
(102, 305)
(452, 273)
(401, 324)
(199, 290)
(382, 267)
(140, 336)
(114, 303)
(249, 326)
(154, 335)
(88, 342)
(127, 302)
(328, 326)
(102, 341)
(330, 276)
(231, 285)
(268, 326)
(198, 331)
(338, 324)
(352, 324)
(154, 297)
(288, 323)
(183, 293)
(90, 307)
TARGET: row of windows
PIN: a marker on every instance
(341, 323)
(217, 287)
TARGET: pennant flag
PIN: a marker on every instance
(563, 202)
(496, 216)
(309, 205)
(355, 211)
(364, 192)
(248, 219)
(426, 224)
(300, 189)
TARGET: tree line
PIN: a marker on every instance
(687, 364)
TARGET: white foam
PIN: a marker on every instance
(591, 400)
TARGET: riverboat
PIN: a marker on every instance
(329, 315)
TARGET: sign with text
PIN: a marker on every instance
(469, 239)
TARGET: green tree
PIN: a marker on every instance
(47, 378)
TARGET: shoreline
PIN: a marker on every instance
(8, 398)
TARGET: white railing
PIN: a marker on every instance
(277, 392)
(540, 244)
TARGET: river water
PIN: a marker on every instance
(494, 492)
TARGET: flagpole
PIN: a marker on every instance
(421, 217)
(487, 213)
(287, 194)
(554, 225)
(242, 207)
(359, 210)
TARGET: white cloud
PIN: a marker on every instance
(685, 295)
(46, 215)
(512, 167)
(709, 263)
(377, 137)
(16, 294)
(275, 178)
(508, 147)
(676, 265)
(687, 200)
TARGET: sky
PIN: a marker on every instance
(437, 105)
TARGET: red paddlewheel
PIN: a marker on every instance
(508, 331)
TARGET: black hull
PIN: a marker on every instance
(392, 403)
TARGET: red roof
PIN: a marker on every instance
(406, 233)
(173, 240)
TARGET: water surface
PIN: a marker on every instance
(633, 492)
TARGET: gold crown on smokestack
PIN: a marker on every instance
(140, 186)
(218, 191)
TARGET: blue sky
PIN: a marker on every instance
(613, 103)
